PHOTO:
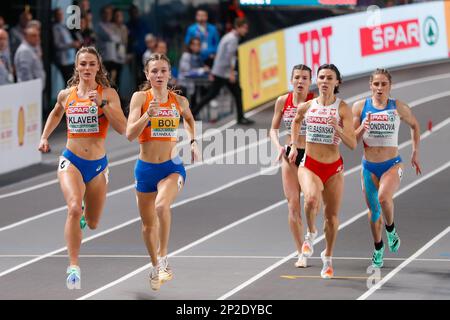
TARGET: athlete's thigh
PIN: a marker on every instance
(366, 189)
(289, 176)
(71, 183)
(310, 183)
(332, 194)
(168, 189)
(95, 195)
(390, 181)
(146, 205)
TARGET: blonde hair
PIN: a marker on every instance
(102, 75)
(155, 57)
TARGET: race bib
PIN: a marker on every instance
(82, 118)
(165, 123)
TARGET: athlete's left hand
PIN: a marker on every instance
(415, 162)
(332, 121)
(195, 153)
(95, 97)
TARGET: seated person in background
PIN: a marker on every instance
(191, 67)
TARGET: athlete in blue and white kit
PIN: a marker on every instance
(377, 121)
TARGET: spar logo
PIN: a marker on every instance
(430, 31)
(390, 37)
(398, 36)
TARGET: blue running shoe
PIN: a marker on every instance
(393, 240)
(73, 279)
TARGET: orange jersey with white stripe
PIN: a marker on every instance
(84, 118)
(164, 125)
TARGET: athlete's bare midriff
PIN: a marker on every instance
(158, 151)
(380, 154)
(87, 148)
(325, 153)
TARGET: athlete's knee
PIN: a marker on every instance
(311, 201)
(74, 209)
(384, 199)
(331, 221)
(148, 228)
(161, 209)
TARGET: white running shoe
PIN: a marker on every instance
(73, 280)
(308, 244)
(165, 272)
(327, 269)
(155, 283)
(302, 261)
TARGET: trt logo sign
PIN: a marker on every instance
(315, 44)
(390, 37)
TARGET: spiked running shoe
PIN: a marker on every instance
(73, 279)
(308, 244)
(377, 257)
(393, 240)
(165, 272)
(327, 269)
(302, 261)
(154, 280)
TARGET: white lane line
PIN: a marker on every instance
(233, 122)
(177, 204)
(133, 158)
(403, 264)
(342, 226)
(145, 256)
(192, 244)
(413, 104)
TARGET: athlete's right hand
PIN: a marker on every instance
(281, 151)
(153, 108)
(44, 146)
(367, 122)
(292, 154)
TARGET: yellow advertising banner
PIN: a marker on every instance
(447, 20)
(262, 69)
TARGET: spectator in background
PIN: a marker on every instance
(64, 45)
(224, 72)
(161, 47)
(3, 24)
(85, 7)
(6, 69)
(150, 42)
(208, 35)
(107, 42)
(191, 67)
(233, 12)
(85, 35)
(17, 33)
(28, 64)
(121, 30)
(138, 29)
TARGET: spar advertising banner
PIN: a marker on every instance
(262, 69)
(20, 125)
(359, 43)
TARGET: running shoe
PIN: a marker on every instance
(73, 279)
(327, 269)
(154, 278)
(302, 261)
(165, 272)
(393, 240)
(308, 244)
(377, 257)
